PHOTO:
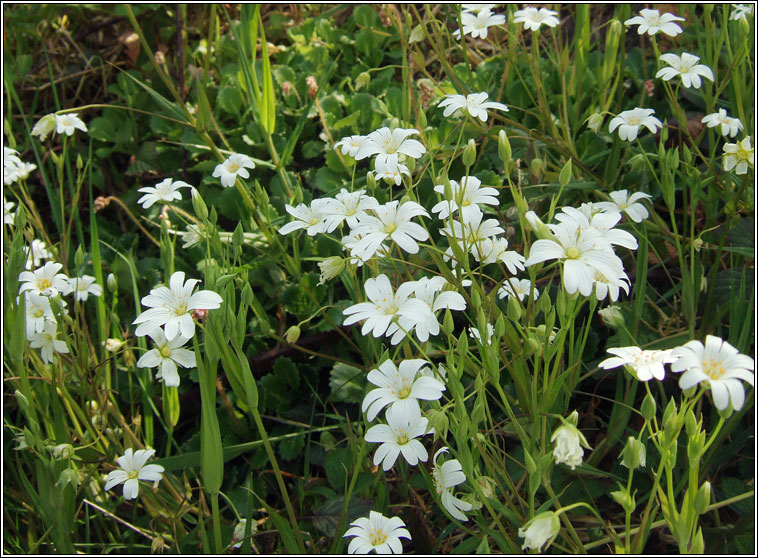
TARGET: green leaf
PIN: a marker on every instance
(327, 516)
(337, 466)
(267, 107)
(347, 383)
(229, 99)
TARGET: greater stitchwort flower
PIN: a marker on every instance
(533, 19)
(167, 190)
(540, 531)
(625, 203)
(384, 306)
(350, 145)
(741, 11)
(719, 366)
(645, 364)
(132, 470)
(724, 124)
(393, 220)
(739, 155)
(686, 67)
(312, 218)
(166, 355)
(46, 280)
(446, 477)
(234, 166)
(46, 342)
(378, 533)
(519, 288)
(569, 442)
(467, 193)
(172, 306)
(652, 21)
(400, 387)
(68, 123)
(399, 436)
(475, 104)
(477, 24)
(388, 145)
(629, 122)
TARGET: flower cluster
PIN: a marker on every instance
(477, 19)
(14, 168)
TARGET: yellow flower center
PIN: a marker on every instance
(634, 120)
(165, 351)
(38, 312)
(181, 309)
(233, 167)
(402, 439)
(377, 537)
(713, 368)
(572, 253)
(44, 283)
(390, 146)
(133, 474)
(389, 229)
(405, 392)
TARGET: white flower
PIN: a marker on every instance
(446, 477)
(727, 126)
(610, 286)
(532, 18)
(38, 312)
(166, 190)
(719, 365)
(383, 307)
(392, 171)
(388, 144)
(350, 145)
(468, 194)
(132, 470)
(629, 122)
(583, 252)
(330, 268)
(419, 312)
(492, 250)
(477, 24)
(517, 288)
(44, 126)
(476, 104)
(476, 8)
(645, 364)
(541, 529)
(595, 122)
(8, 217)
(476, 334)
(36, 253)
(627, 204)
(400, 387)
(377, 533)
(113, 345)
(348, 207)
(68, 123)
(310, 218)
(604, 223)
(46, 280)
(686, 67)
(652, 21)
(740, 155)
(193, 235)
(47, 343)
(351, 240)
(611, 316)
(82, 287)
(172, 306)
(741, 11)
(568, 442)
(166, 355)
(392, 221)
(471, 233)
(234, 166)
(399, 436)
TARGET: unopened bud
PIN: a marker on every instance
(595, 122)
(112, 345)
(634, 454)
(292, 335)
(612, 316)
(648, 407)
(536, 167)
(565, 175)
(439, 421)
(312, 86)
(469, 153)
(504, 147)
(201, 210)
(111, 282)
(703, 498)
(363, 79)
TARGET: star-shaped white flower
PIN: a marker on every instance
(519, 288)
(475, 104)
(739, 155)
(36, 253)
(132, 470)
(446, 477)
(38, 312)
(467, 193)
(167, 191)
(166, 355)
(400, 387)
(68, 123)
(719, 366)
(625, 203)
(312, 219)
(477, 24)
(652, 21)
(234, 166)
(686, 67)
(388, 144)
(350, 145)
(419, 313)
(532, 18)
(8, 217)
(393, 220)
(348, 207)
(383, 307)
(46, 280)
(629, 122)
(399, 436)
(645, 364)
(724, 124)
(172, 306)
(82, 287)
(741, 11)
(378, 533)
(386, 169)
(47, 343)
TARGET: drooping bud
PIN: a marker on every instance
(469, 153)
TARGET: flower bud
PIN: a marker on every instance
(565, 175)
(624, 499)
(44, 126)
(112, 345)
(540, 531)
(595, 122)
(504, 147)
(292, 334)
(439, 421)
(111, 283)
(63, 451)
(201, 210)
(371, 181)
(633, 454)
(68, 476)
(536, 167)
(416, 35)
(363, 79)
(469, 153)
(421, 119)
(539, 228)
(648, 407)
(447, 322)
(487, 486)
(703, 498)
(612, 316)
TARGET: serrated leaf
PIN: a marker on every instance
(337, 464)
(731, 487)
(230, 100)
